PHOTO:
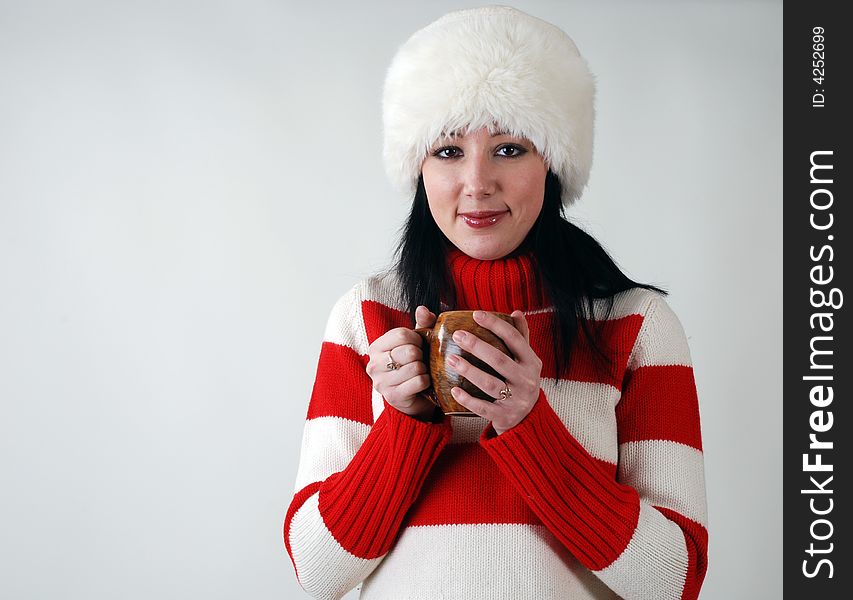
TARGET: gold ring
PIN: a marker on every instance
(506, 392)
(392, 365)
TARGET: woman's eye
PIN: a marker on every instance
(447, 152)
(511, 151)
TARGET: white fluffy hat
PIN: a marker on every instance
(494, 67)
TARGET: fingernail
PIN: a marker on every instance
(459, 336)
(479, 314)
(453, 360)
(455, 391)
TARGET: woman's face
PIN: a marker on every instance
(484, 191)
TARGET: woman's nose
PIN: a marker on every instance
(479, 178)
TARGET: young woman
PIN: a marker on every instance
(584, 478)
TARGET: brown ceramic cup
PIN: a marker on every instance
(439, 344)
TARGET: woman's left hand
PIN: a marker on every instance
(521, 375)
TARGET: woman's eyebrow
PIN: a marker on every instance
(462, 132)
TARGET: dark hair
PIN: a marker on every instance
(574, 268)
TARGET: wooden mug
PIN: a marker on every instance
(439, 344)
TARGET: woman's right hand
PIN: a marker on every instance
(401, 387)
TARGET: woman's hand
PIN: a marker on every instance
(521, 375)
(401, 385)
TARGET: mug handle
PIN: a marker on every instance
(426, 334)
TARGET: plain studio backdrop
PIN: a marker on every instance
(187, 187)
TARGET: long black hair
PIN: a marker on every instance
(574, 268)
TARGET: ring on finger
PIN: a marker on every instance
(506, 392)
(392, 365)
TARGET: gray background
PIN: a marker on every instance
(187, 187)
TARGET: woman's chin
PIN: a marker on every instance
(484, 251)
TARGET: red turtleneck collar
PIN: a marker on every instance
(500, 285)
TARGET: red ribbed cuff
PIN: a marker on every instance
(364, 505)
(592, 514)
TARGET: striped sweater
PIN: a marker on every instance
(598, 493)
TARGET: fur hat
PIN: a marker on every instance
(497, 67)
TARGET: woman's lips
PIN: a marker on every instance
(481, 219)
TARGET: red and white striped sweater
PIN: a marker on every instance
(598, 493)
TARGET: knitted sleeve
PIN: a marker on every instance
(356, 477)
(644, 533)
